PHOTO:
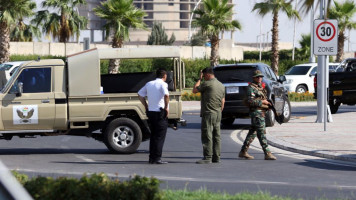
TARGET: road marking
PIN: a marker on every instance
(84, 158)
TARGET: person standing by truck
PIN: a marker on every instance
(157, 113)
(212, 103)
(258, 104)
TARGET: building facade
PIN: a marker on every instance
(175, 16)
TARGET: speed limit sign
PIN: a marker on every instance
(325, 37)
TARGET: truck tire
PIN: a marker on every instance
(228, 121)
(301, 89)
(334, 105)
(123, 135)
(287, 111)
(270, 118)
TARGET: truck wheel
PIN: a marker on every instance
(270, 118)
(123, 135)
(286, 110)
(334, 105)
(301, 89)
(228, 121)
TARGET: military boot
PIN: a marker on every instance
(269, 156)
(244, 154)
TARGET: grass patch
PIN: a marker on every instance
(204, 194)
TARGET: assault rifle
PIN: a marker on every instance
(279, 118)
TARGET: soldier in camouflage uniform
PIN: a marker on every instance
(258, 104)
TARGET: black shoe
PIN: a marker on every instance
(216, 161)
(158, 162)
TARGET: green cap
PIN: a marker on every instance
(257, 73)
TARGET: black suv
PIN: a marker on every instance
(236, 78)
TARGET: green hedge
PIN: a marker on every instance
(192, 66)
(94, 187)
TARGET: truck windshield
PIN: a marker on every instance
(5, 66)
(298, 70)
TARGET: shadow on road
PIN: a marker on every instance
(29, 151)
(319, 164)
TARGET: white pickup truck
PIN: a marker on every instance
(52, 97)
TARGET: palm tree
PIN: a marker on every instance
(24, 32)
(274, 7)
(64, 25)
(344, 13)
(304, 43)
(308, 4)
(120, 16)
(214, 18)
(10, 11)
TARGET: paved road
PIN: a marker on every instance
(291, 175)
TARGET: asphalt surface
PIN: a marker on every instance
(292, 174)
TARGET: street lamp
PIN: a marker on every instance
(190, 20)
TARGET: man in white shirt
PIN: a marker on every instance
(157, 113)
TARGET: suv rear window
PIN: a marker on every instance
(231, 74)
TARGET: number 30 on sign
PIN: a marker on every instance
(325, 37)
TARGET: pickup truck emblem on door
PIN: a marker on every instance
(27, 114)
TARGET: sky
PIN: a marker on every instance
(251, 22)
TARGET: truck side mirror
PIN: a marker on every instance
(19, 89)
(282, 78)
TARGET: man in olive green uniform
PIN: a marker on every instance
(212, 103)
(258, 104)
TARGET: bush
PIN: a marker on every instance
(96, 186)
(293, 96)
(16, 57)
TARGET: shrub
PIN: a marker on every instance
(94, 187)
(293, 96)
(17, 57)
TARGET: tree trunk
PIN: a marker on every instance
(214, 57)
(64, 29)
(275, 54)
(4, 42)
(340, 46)
(114, 64)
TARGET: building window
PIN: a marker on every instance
(170, 3)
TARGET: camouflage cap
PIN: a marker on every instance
(257, 73)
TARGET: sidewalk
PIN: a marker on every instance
(303, 135)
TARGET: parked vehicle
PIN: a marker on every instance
(10, 67)
(300, 78)
(236, 78)
(52, 97)
(342, 85)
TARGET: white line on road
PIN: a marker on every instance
(84, 158)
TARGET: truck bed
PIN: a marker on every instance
(130, 82)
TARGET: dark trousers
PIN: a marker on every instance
(158, 125)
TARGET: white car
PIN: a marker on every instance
(10, 67)
(300, 78)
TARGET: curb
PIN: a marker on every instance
(281, 144)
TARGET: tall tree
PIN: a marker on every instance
(214, 18)
(304, 43)
(120, 16)
(274, 7)
(10, 11)
(64, 25)
(23, 32)
(159, 36)
(343, 12)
